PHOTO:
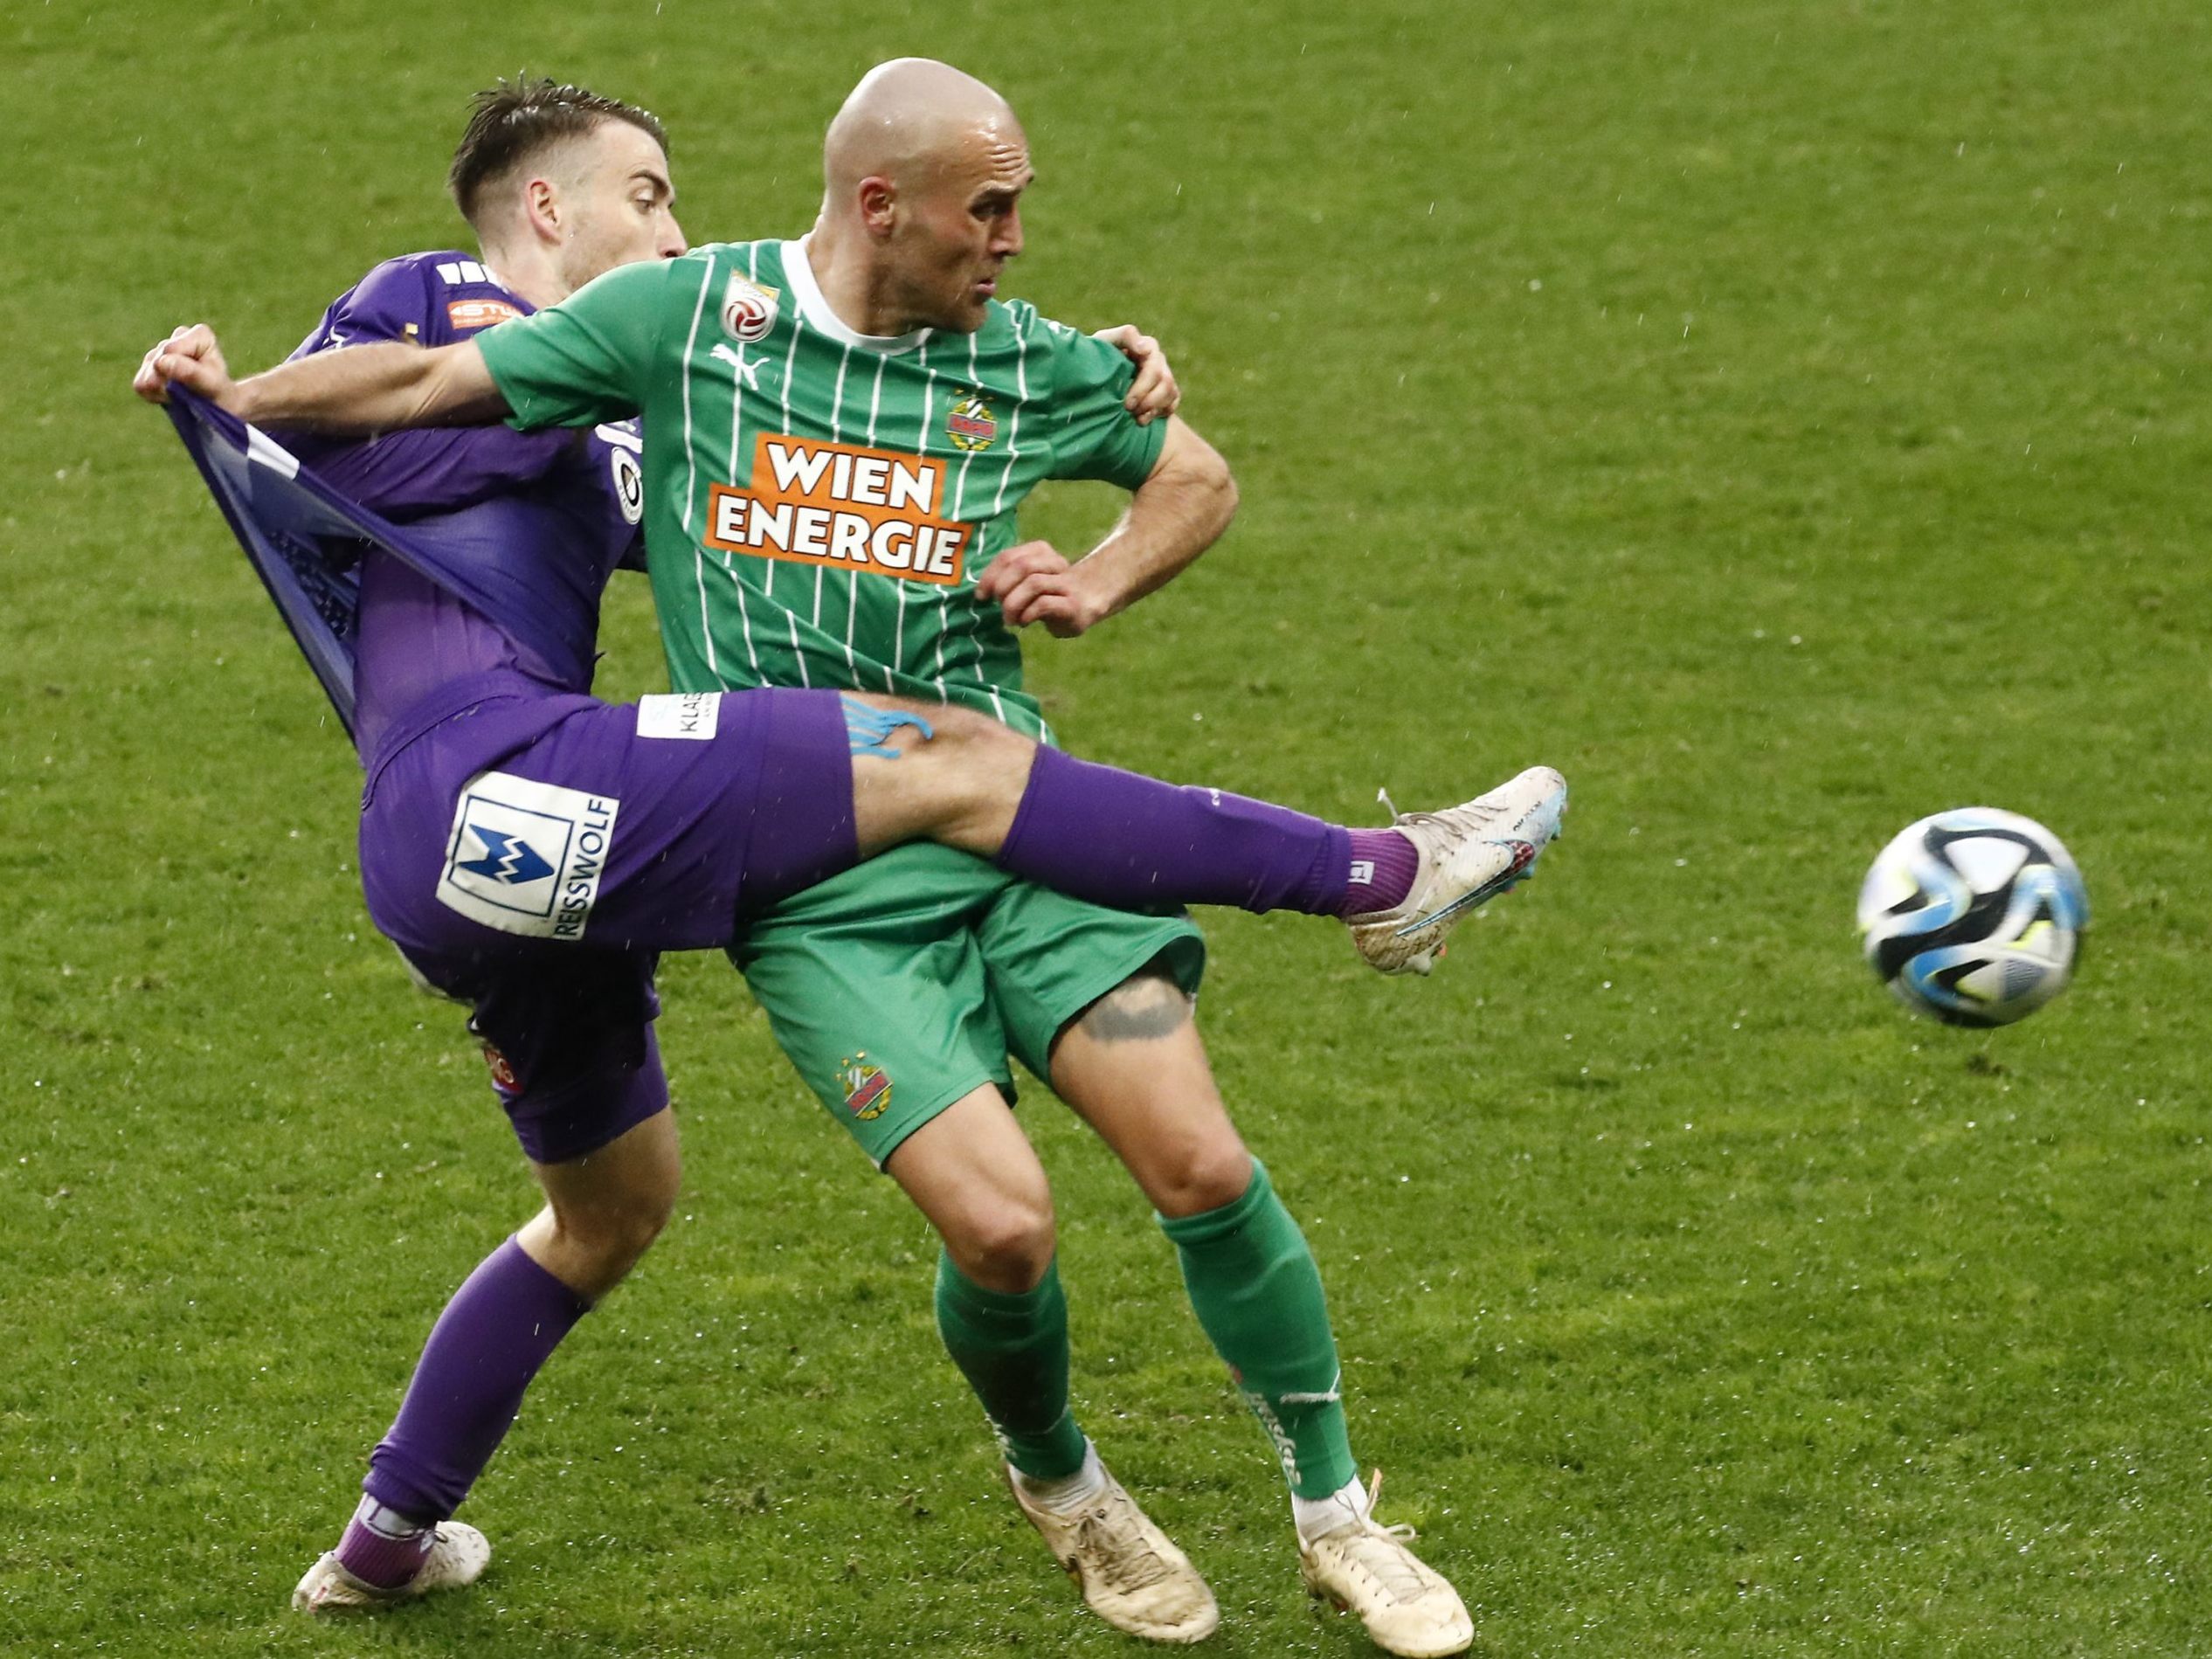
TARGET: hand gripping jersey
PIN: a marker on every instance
(528, 526)
(819, 502)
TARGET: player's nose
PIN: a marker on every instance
(671, 244)
(1007, 243)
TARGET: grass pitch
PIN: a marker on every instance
(1788, 419)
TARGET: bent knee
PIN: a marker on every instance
(1007, 1247)
(614, 1234)
(1211, 1175)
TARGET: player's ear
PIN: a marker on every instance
(879, 204)
(542, 209)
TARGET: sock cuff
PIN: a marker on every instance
(1330, 878)
(1040, 782)
(548, 1283)
(1208, 1225)
(981, 1299)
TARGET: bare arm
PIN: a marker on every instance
(1178, 512)
(358, 391)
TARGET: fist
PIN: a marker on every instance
(1035, 582)
(190, 358)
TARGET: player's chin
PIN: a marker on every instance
(973, 311)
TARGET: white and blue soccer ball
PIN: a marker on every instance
(1973, 916)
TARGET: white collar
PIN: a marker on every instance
(807, 293)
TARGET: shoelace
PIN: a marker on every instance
(1128, 1562)
(1387, 1559)
(1381, 1553)
(1473, 817)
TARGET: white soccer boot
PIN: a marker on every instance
(1129, 1573)
(1407, 1606)
(457, 1558)
(1469, 854)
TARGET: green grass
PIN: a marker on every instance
(1789, 419)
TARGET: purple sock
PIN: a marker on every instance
(1116, 838)
(500, 1327)
(384, 1548)
(1384, 864)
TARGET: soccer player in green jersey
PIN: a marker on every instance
(842, 428)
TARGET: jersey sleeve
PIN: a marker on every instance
(1092, 435)
(585, 360)
(405, 475)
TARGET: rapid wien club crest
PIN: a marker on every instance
(868, 1088)
(970, 424)
(748, 309)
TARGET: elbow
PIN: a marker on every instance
(1209, 473)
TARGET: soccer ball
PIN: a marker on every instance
(1973, 916)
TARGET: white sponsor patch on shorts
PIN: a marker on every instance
(682, 714)
(527, 857)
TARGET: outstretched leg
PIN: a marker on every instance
(1124, 839)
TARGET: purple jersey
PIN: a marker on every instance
(538, 519)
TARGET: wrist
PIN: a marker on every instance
(244, 400)
(1103, 593)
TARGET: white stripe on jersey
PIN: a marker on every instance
(999, 500)
(921, 446)
(975, 609)
(837, 396)
(1013, 420)
(950, 509)
(736, 437)
(691, 468)
(960, 482)
(852, 577)
(799, 652)
(768, 576)
(874, 407)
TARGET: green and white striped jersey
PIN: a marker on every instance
(818, 503)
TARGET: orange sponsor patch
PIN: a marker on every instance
(813, 502)
(478, 313)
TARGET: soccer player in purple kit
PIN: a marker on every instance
(692, 811)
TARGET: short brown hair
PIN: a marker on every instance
(512, 122)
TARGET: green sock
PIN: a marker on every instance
(1012, 1349)
(1257, 1293)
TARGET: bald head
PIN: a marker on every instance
(923, 172)
(909, 118)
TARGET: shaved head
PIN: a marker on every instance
(906, 119)
(922, 171)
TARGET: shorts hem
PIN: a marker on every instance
(1060, 1018)
(559, 1125)
(910, 1121)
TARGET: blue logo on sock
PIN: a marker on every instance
(508, 859)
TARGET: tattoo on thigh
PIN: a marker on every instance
(868, 730)
(1144, 1009)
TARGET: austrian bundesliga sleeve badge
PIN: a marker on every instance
(970, 424)
(748, 309)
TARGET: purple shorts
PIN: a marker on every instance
(532, 853)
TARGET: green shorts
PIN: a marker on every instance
(903, 985)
